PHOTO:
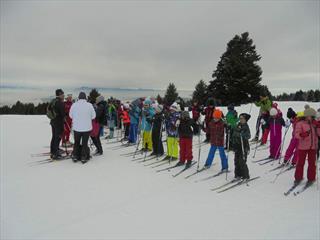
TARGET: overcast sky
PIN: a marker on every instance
(149, 44)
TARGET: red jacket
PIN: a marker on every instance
(217, 133)
(125, 117)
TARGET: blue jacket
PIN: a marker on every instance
(147, 116)
(134, 114)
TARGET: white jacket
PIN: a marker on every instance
(82, 114)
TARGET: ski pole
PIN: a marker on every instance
(280, 148)
(255, 150)
(250, 108)
(228, 150)
(199, 141)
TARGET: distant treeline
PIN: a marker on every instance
(41, 108)
(25, 109)
(309, 96)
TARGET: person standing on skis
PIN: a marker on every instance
(217, 127)
(67, 123)
(185, 129)
(157, 126)
(196, 110)
(146, 125)
(265, 105)
(208, 112)
(56, 114)
(172, 132)
(240, 143)
(307, 132)
(232, 119)
(82, 113)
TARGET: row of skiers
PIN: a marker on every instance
(305, 139)
(145, 119)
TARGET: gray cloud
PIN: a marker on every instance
(149, 44)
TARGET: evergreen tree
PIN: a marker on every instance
(171, 94)
(310, 96)
(317, 96)
(298, 96)
(93, 95)
(237, 76)
(200, 92)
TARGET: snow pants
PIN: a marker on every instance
(172, 147)
(311, 173)
(275, 144)
(240, 163)
(223, 157)
(147, 140)
(292, 151)
(185, 149)
(133, 133)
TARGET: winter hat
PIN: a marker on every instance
(99, 99)
(230, 107)
(147, 102)
(291, 113)
(273, 112)
(310, 112)
(158, 108)
(69, 95)
(300, 114)
(175, 107)
(217, 114)
(306, 106)
(82, 95)
(126, 106)
(185, 114)
(59, 92)
(246, 116)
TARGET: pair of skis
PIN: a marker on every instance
(301, 190)
(175, 166)
(233, 184)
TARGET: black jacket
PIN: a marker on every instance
(185, 129)
(101, 113)
(241, 131)
(58, 121)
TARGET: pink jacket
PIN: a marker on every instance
(310, 141)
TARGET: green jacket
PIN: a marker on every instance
(265, 104)
(232, 118)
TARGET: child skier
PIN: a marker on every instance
(275, 123)
(307, 132)
(216, 127)
(134, 115)
(265, 105)
(232, 119)
(208, 112)
(146, 125)
(240, 140)
(112, 117)
(196, 110)
(292, 151)
(157, 127)
(67, 122)
(126, 121)
(172, 133)
(185, 130)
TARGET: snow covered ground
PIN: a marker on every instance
(112, 197)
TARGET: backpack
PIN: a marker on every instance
(51, 113)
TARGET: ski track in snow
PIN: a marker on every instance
(112, 197)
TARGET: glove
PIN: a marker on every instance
(177, 123)
(287, 123)
(304, 134)
(263, 122)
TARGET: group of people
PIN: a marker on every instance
(145, 121)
